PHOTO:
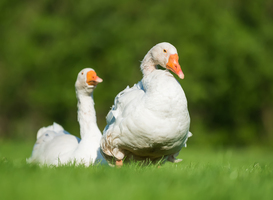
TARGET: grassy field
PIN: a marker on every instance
(203, 174)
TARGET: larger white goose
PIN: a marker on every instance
(55, 146)
(149, 121)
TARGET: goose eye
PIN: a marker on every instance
(165, 51)
(82, 73)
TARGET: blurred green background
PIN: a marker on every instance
(225, 49)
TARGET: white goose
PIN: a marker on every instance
(55, 146)
(149, 121)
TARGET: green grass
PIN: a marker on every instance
(203, 174)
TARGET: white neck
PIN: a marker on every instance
(160, 83)
(147, 65)
(87, 116)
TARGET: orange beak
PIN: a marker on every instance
(174, 66)
(92, 78)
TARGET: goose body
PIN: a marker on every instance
(149, 121)
(55, 146)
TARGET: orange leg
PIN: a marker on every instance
(119, 163)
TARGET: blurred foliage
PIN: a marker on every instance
(225, 49)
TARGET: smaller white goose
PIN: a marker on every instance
(55, 146)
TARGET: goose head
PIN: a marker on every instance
(87, 81)
(165, 55)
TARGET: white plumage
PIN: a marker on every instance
(55, 146)
(149, 121)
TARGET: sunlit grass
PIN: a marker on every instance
(203, 174)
